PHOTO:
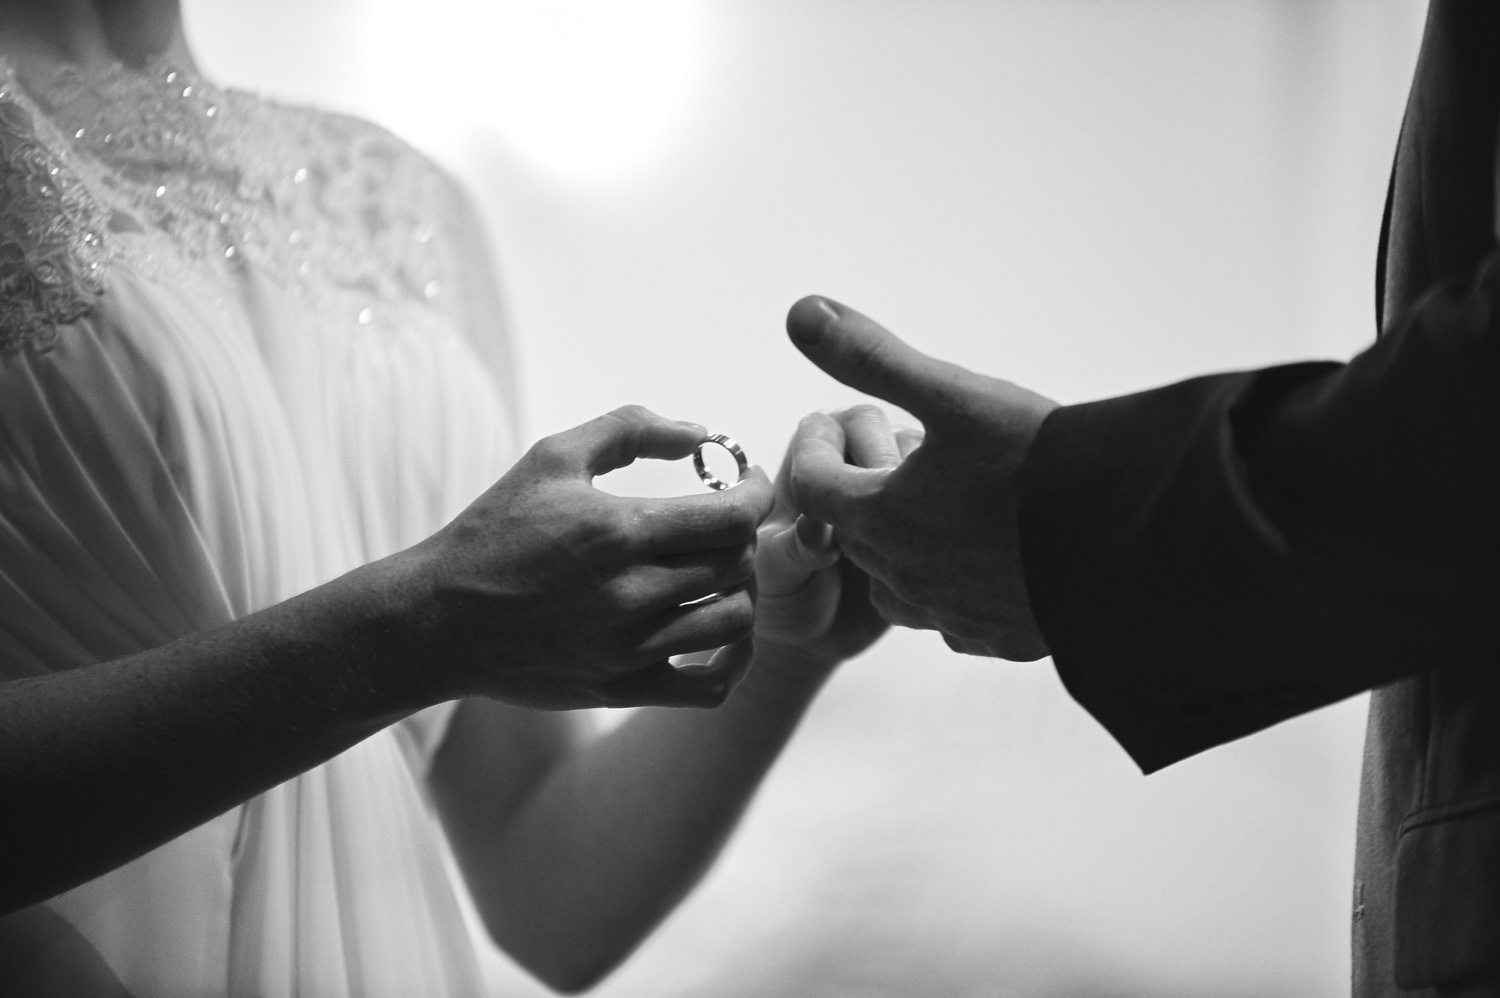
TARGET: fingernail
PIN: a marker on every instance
(811, 331)
(815, 535)
(693, 426)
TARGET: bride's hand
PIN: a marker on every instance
(812, 604)
(551, 594)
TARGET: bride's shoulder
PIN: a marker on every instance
(377, 209)
(51, 229)
(359, 160)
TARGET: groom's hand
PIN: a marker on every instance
(937, 531)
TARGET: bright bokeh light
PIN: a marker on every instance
(583, 87)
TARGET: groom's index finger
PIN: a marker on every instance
(861, 353)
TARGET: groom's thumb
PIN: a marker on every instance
(866, 356)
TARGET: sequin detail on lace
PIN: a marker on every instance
(200, 186)
(52, 250)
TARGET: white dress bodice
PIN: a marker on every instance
(244, 348)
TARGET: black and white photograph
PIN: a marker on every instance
(750, 498)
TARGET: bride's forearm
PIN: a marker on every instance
(619, 831)
(102, 763)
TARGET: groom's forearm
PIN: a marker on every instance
(1212, 557)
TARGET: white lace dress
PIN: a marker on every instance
(243, 349)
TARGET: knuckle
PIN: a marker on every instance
(809, 426)
(631, 422)
(603, 536)
(617, 600)
(631, 413)
(626, 531)
(864, 412)
(624, 432)
(550, 451)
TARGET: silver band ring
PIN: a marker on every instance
(728, 444)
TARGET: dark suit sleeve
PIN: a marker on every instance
(1212, 557)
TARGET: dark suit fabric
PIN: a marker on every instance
(1212, 557)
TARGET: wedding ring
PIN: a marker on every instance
(728, 444)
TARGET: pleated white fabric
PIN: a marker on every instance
(244, 352)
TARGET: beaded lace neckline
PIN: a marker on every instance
(154, 114)
(174, 174)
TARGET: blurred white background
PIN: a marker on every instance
(1086, 197)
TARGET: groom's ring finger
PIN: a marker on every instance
(869, 441)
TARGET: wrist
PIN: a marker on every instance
(792, 663)
(384, 620)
